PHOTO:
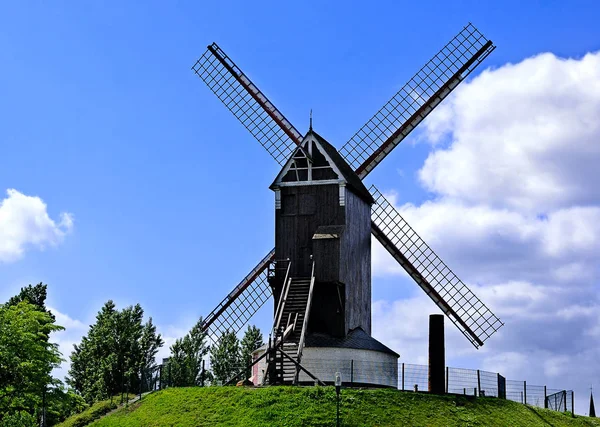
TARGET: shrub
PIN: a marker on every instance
(91, 414)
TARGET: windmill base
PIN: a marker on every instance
(361, 360)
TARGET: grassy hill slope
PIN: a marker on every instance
(315, 406)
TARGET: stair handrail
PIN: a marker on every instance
(282, 298)
(305, 322)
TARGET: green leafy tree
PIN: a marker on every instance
(26, 357)
(252, 340)
(35, 295)
(225, 357)
(116, 350)
(187, 353)
(18, 419)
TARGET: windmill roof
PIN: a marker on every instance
(354, 182)
(348, 175)
(355, 339)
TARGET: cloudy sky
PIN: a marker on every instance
(122, 177)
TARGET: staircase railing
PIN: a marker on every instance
(305, 322)
(282, 297)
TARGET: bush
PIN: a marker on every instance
(91, 414)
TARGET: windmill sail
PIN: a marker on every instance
(264, 121)
(452, 296)
(415, 100)
(236, 310)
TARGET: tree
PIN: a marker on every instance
(225, 357)
(252, 340)
(116, 350)
(26, 357)
(35, 295)
(187, 353)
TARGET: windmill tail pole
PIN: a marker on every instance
(437, 357)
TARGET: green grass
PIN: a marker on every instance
(315, 406)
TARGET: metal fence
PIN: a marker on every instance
(410, 377)
(475, 382)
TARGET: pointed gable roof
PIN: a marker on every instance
(352, 179)
(342, 169)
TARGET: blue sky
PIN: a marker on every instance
(101, 117)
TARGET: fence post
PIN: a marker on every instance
(573, 403)
(169, 382)
(160, 377)
(545, 398)
(565, 399)
(447, 375)
(352, 373)
(475, 391)
(501, 387)
(402, 376)
(478, 383)
(525, 391)
(202, 375)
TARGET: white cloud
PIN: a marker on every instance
(515, 212)
(24, 223)
(523, 135)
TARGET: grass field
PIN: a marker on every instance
(315, 406)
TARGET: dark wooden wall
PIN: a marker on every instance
(355, 262)
(303, 210)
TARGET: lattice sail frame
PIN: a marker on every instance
(471, 316)
(416, 99)
(251, 107)
(277, 135)
(242, 303)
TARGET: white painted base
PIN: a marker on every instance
(357, 366)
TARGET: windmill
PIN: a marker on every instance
(319, 272)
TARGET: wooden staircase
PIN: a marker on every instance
(289, 330)
(293, 313)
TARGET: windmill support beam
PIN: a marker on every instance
(258, 96)
(425, 285)
(407, 127)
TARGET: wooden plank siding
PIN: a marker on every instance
(355, 263)
(296, 225)
(342, 295)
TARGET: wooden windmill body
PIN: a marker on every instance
(319, 273)
(323, 229)
(323, 214)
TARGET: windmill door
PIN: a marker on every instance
(304, 262)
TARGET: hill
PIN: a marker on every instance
(315, 406)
